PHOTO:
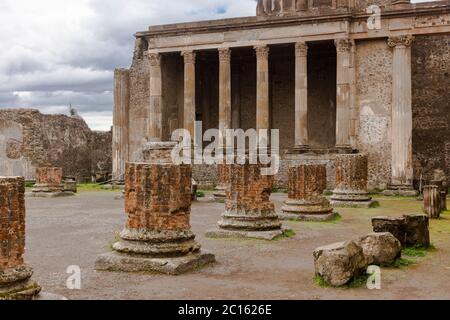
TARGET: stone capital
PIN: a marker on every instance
(189, 56)
(262, 52)
(301, 49)
(343, 45)
(400, 41)
(224, 54)
(154, 59)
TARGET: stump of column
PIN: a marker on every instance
(157, 236)
(15, 275)
(220, 192)
(306, 200)
(432, 201)
(351, 182)
(49, 183)
(249, 211)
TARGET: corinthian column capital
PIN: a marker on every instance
(153, 58)
(301, 49)
(343, 45)
(401, 41)
(189, 56)
(224, 54)
(262, 52)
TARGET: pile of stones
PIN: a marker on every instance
(340, 263)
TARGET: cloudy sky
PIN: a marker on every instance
(54, 53)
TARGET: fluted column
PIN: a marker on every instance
(262, 88)
(301, 95)
(189, 91)
(224, 90)
(402, 169)
(343, 107)
(155, 110)
(120, 122)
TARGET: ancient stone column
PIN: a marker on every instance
(262, 89)
(155, 110)
(432, 201)
(224, 90)
(157, 236)
(249, 211)
(440, 179)
(120, 122)
(306, 200)
(343, 99)
(189, 91)
(15, 275)
(301, 95)
(402, 159)
(351, 182)
(49, 183)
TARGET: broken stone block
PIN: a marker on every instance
(306, 201)
(339, 263)
(249, 211)
(394, 225)
(49, 183)
(15, 275)
(432, 203)
(417, 230)
(157, 236)
(351, 182)
(220, 192)
(380, 248)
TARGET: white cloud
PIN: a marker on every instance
(54, 52)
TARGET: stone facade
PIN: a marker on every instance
(30, 139)
(327, 94)
(15, 276)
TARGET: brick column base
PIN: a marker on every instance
(49, 183)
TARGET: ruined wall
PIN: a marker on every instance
(51, 140)
(431, 104)
(374, 90)
(139, 100)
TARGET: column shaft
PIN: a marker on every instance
(189, 92)
(155, 110)
(262, 88)
(301, 94)
(120, 122)
(224, 90)
(402, 169)
(343, 107)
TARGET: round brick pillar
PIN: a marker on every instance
(158, 205)
(351, 181)
(306, 200)
(157, 236)
(248, 206)
(15, 276)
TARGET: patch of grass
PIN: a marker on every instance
(29, 184)
(200, 194)
(400, 263)
(279, 190)
(320, 281)
(418, 251)
(285, 234)
(375, 205)
(328, 193)
(90, 187)
(358, 282)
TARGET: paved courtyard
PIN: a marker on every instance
(74, 231)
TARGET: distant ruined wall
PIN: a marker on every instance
(32, 139)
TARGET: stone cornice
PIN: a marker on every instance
(427, 8)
